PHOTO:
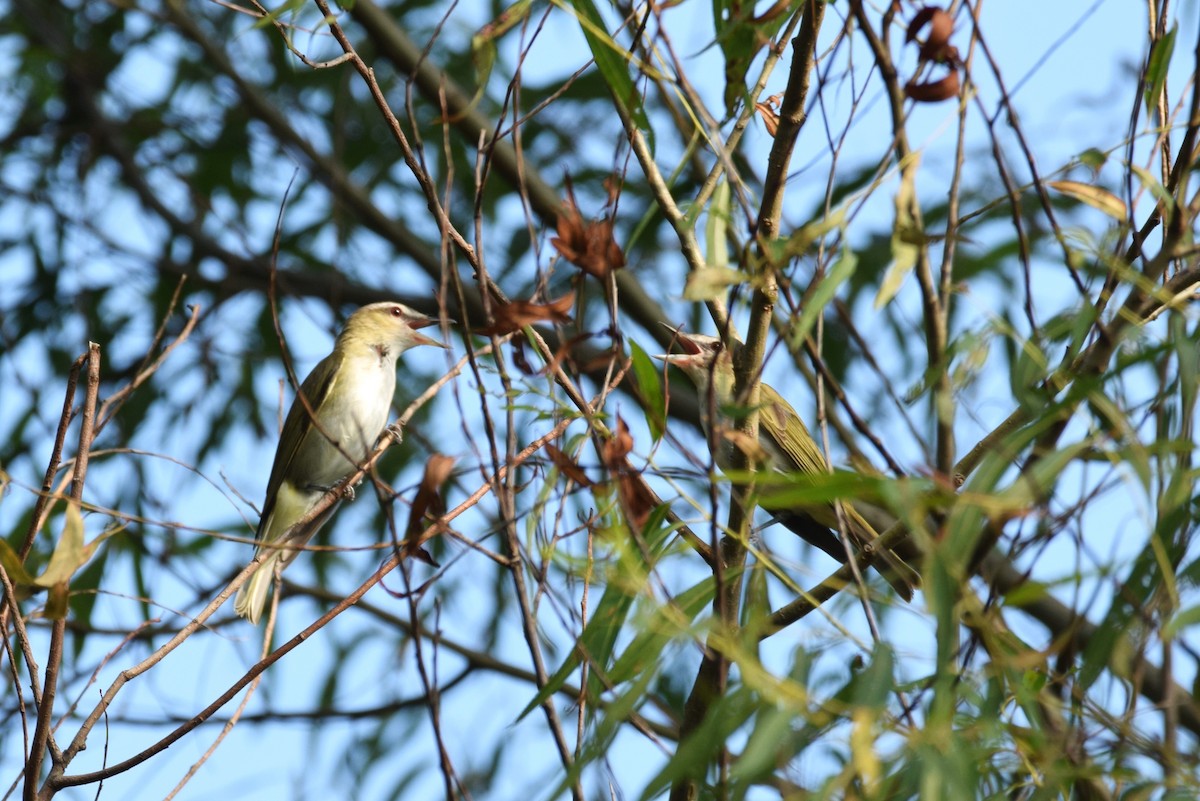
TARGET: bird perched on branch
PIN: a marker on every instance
(331, 428)
(785, 444)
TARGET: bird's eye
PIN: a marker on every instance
(397, 311)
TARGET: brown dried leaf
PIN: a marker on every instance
(519, 358)
(618, 447)
(936, 46)
(636, 499)
(428, 502)
(769, 117)
(933, 91)
(517, 314)
(567, 466)
(590, 246)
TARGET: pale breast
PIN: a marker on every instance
(352, 418)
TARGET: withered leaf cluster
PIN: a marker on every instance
(590, 246)
(515, 315)
(935, 49)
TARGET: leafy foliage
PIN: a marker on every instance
(992, 315)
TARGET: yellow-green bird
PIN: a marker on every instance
(349, 396)
(788, 447)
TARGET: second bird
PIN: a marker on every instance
(346, 402)
(790, 449)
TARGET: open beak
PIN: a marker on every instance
(686, 344)
(421, 321)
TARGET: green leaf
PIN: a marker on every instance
(695, 754)
(70, 554)
(1157, 68)
(710, 283)
(649, 385)
(810, 233)
(611, 62)
(773, 730)
(716, 227)
(824, 293)
(608, 725)
(1188, 617)
(483, 43)
(905, 235)
(277, 13)
(1157, 189)
(13, 567)
(608, 618)
(873, 685)
(597, 641)
(1093, 158)
(741, 35)
(665, 623)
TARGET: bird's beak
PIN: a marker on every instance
(680, 337)
(421, 321)
(686, 344)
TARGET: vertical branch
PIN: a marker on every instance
(87, 423)
(41, 734)
(712, 678)
(60, 437)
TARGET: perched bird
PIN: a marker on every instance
(788, 447)
(348, 395)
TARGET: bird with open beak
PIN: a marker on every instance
(786, 446)
(330, 429)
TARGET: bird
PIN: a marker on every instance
(326, 436)
(787, 446)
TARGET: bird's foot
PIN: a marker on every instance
(397, 432)
(345, 490)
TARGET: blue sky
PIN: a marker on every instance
(1070, 66)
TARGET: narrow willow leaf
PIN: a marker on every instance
(821, 297)
(709, 283)
(1157, 189)
(1157, 68)
(611, 62)
(649, 384)
(666, 623)
(70, 554)
(1092, 195)
(905, 235)
(716, 227)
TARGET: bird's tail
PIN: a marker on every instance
(252, 597)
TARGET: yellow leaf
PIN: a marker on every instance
(1093, 196)
(905, 234)
(70, 554)
(709, 283)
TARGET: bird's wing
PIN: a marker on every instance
(299, 423)
(794, 441)
(801, 449)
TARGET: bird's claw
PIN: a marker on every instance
(397, 432)
(348, 492)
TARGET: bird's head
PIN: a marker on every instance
(703, 359)
(389, 325)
